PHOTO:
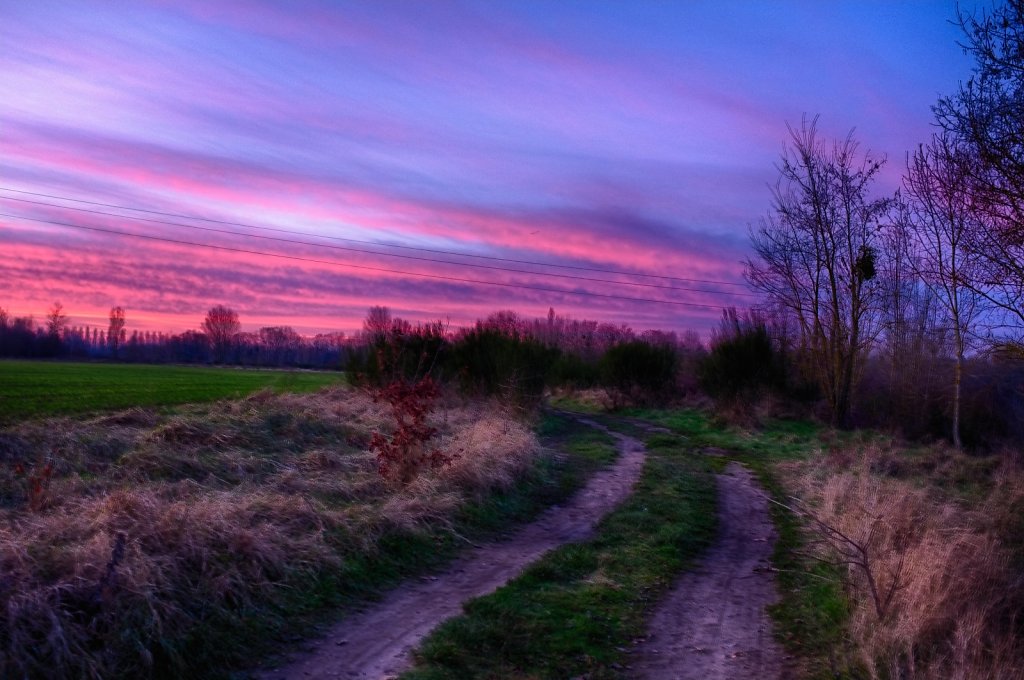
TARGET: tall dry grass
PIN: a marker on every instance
(162, 531)
(941, 533)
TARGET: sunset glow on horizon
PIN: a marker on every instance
(519, 153)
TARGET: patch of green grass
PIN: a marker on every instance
(571, 402)
(592, 446)
(775, 440)
(577, 609)
(33, 389)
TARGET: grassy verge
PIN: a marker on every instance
(812, 616)
(32, 389)
(577, 452)
(187, 544)
(578, 609)
(941, 532)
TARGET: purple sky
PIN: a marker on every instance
(632, 136)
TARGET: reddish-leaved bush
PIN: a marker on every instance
(402, 455)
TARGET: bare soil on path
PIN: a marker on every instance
(377, 642)
(713, 625)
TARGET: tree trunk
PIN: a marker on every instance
(957, 379)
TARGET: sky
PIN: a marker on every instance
(444, 159)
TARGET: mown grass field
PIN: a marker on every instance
(32, 389)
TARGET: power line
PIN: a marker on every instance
(371, 243)
(372, 252)
(363, 267)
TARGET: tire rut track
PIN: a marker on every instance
(713, 624)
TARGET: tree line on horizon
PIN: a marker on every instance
(221, 340)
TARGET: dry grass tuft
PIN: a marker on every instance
(947, 558)
(160, 529)
(504, 445)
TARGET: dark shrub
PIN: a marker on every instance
(488, 361)
(639, 373)
(404, 353)
(743, 362)
(572, 370)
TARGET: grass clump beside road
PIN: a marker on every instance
(180, 545)
(33, 389)
(942, 535)
(573, 452)
(579, 608)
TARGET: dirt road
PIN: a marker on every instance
(713, 624)
(376, 643)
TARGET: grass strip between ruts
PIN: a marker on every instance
(579, 608)
(813, 611)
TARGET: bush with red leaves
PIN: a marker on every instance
(402, 455)
(37, 485)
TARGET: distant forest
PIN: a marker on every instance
(220, 339)
(222, 342)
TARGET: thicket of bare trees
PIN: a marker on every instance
(986, 117)
(580, 342)
(816, 257)
(928, 283)
(269, 346)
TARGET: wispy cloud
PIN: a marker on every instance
(637, 137)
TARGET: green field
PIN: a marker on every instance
(31, 389)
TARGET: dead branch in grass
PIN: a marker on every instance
(852, 552)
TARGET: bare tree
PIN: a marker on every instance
(858, 553)
(900, 293)
(56, 321)
(911, 327)
(942, 219)
(221, 325)
(816, 258)
(505, 321)
(115, 329)
(279, 343)
(377, 324)
(987, 115)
